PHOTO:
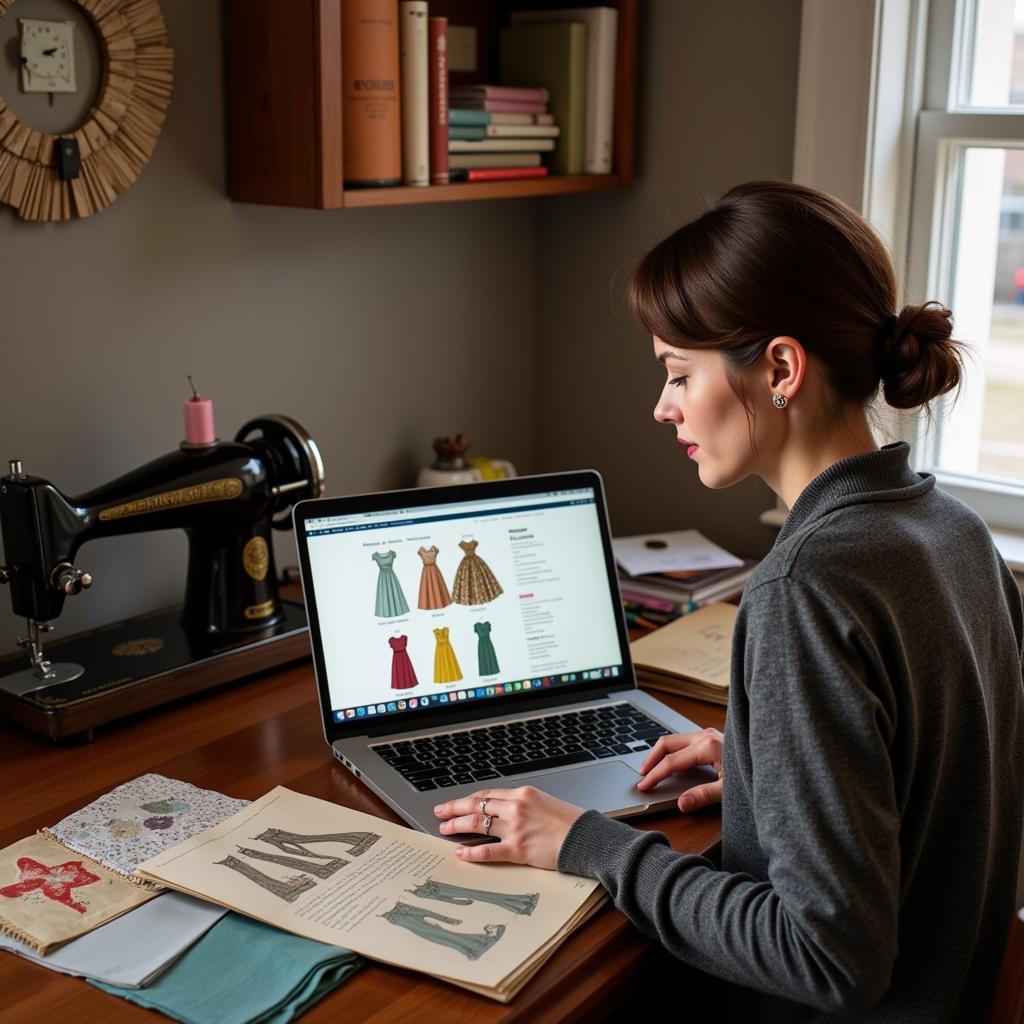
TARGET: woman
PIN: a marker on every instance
(871, 780)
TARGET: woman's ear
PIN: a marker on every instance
(787, 363)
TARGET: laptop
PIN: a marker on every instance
(473, 636)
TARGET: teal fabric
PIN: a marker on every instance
(244, 972)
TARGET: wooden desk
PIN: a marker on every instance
(243, 740)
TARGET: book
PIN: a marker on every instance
(500, 145)
(371, 115)
(522, 131)
(472, 161)
(336, 875)
(480, 118)
(498, 173)
(509, 94)
(413, 49)
(501, 106)
(688, 586)
(466, 131)
(553, 55)
(437, 39)
(691, 656)
(602, 38)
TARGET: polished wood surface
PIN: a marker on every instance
(243, 740)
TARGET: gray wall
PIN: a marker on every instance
(717, 106)
(378, 329)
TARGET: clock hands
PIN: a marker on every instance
(50, 52)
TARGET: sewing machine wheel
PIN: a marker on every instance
(293, 460)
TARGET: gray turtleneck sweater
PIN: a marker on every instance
(873, 780)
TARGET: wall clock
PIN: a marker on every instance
(76, 174)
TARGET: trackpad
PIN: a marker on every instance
(605, 787)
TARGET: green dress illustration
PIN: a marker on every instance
(414, 919)
(485, 649)
(519, 903)
(390, 599)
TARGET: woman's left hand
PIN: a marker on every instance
(530, 824)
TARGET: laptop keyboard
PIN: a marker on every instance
(524, 745)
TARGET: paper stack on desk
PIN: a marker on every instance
(690, 656)
(339, 876)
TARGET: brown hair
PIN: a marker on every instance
(773, 258)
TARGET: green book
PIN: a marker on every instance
(553, 55)
(458, 116)
(466, 131)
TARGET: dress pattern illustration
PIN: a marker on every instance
(518, 903)
(474, 582)
(390, 599)
(415, 920)
(433, 589)
(403, 675)
(446, 665)
(488, 660)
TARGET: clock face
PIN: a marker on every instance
(47, 55)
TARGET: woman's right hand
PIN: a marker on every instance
(678, 752)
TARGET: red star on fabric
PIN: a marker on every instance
(55, 882)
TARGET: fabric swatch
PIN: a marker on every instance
(142, 818)
(134, 948)
(245, 972)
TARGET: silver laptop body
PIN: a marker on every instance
(438, 613)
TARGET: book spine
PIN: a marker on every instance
(601, 46)
(371, 119)
(501, 145)
(412, 20)
(657, 603)
(468, 118)
(504, 173)
(521, 131)
(438, 41)
(514, 94)
(466, 131)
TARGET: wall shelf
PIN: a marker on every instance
(283, 92)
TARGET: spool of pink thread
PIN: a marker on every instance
(199, 419)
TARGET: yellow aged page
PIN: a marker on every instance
(391, 893)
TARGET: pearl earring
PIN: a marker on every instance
(780, 401)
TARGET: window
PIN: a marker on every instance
(966, 245)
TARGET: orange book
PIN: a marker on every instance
(371, 112)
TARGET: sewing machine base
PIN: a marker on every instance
(141, 663)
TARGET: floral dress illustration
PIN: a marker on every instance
(474, 582)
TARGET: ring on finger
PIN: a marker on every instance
(487, 823)
(483, 805)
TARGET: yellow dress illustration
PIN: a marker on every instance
(446, 665)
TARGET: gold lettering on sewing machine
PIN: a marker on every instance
(256, 558)
(212, 490)
(260, 611)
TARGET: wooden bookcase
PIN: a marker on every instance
(283, 92)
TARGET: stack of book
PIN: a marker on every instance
(657, 597)
(556, 95)
(498, 132)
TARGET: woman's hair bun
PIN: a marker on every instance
(919, 360)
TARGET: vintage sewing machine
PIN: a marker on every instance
(228, 497)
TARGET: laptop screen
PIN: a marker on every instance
(469, 600)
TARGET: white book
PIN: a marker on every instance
(522, 131)
(412, 35)
(602, 39)
(500, 145)
(469, 161)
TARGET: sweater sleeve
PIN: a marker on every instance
(822, 928)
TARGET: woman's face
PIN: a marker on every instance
(712, 425)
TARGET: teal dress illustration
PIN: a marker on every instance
(390, 599)
(485, 649)
(420, 921)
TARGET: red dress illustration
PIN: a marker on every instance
(403, 675)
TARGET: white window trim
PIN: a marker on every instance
(862, 67)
